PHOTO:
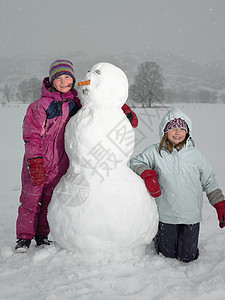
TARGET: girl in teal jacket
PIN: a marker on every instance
(177, 174)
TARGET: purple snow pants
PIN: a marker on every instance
(32, 213)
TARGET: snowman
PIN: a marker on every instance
(100, 206)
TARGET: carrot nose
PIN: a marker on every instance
(87, 82)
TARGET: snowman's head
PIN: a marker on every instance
(107, 85)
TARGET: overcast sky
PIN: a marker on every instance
(193, 29)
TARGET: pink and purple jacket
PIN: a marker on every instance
(44, 126)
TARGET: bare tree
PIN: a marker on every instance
(29, 90)
(148, 85)
(8, 92)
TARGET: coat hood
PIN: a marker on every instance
(169, 116)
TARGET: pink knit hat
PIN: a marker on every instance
(176, 123)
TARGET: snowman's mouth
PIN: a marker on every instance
(85, 91)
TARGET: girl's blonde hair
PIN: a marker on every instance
(169, 146)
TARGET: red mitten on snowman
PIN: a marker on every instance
(151, 182)
(130, 115)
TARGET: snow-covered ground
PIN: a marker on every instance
(52, 273)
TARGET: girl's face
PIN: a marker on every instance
(176, 136)
(63, 83)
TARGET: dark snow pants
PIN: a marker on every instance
(178, 241)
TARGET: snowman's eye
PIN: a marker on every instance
(98, 72)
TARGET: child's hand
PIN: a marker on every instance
(37, 171)
(220, 208)
(151, 182)
(130, 115)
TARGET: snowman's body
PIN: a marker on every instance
(101, 205)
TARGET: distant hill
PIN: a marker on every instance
(185, 81)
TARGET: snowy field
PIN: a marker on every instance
(51, 273)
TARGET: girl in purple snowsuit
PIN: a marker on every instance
(45, 159)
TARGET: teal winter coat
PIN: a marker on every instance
(183, 176)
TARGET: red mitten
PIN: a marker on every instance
(37, 171)
(151, 182)
(220, 208)
(130, 115)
